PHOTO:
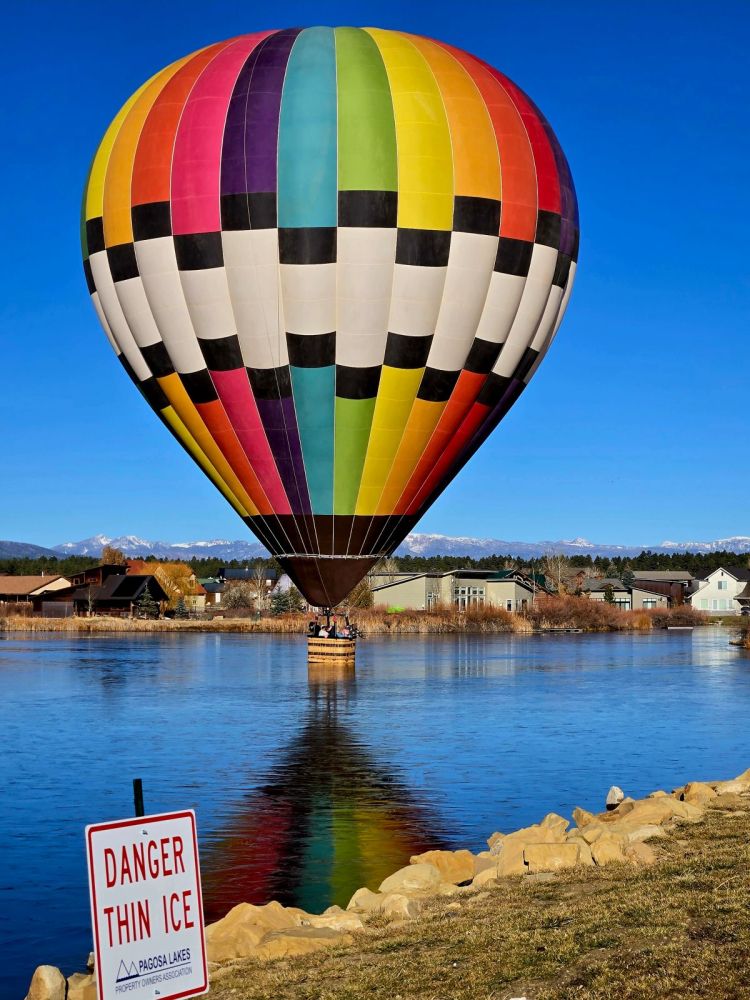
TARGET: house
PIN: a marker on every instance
(177, 579)
(101, 590)
(228, 574)
(213, 589)
(20, 590)
(626, 598)
(674, 584)
(743, 599)
(464, 589)
(718, 593)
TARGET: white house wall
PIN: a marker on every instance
(713, 599)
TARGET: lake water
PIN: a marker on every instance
(306, 786)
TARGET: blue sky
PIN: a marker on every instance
(635, 429)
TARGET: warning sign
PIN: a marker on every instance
(146, 908)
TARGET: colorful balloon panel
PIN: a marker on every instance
(331, 259)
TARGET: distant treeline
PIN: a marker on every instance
(67, 565)
(699, 564)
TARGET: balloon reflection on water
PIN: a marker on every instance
(328, 819)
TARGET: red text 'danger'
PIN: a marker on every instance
(139, 862)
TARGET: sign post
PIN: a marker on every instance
(146, 908)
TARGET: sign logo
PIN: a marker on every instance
(146, 908)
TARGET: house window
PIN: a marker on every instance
(722, 584)
(704, 604)
(649, 602)
(714, 604)
(722, 604)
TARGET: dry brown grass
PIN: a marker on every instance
(567, 611)
(548, 612)
(680, 930)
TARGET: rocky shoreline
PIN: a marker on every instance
(628, 834)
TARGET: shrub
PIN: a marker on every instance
(685, 614)
(567, 611)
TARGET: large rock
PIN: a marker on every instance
(485, 876)
(483, 861)
(494, 838)
(558, 824)
(607, 850)
(614, 797)
(294, 941)
(733, 787)
(745, 776)
(47, 983)
(657, 811)
(364, 899)
(81, 986)
(454, 866)
(551, 857)
(646, 832)
(238, 933)
(582, 817)
(334, 918)
(535, 834)
(413, 878)
(584, 851)
(592, 832)
(400, 907)
(698, 793)
(510, 861)
(640, 854)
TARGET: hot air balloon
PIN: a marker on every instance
(330, 259)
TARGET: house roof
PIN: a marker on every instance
(246, 573)
(738, 572)
(212, 586)
(121, 588)
(23, 586)
(488, 575)
(744, 594)
(595, 584)
(663, 575)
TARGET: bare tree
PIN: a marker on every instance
(260, 583)
(113, 557)
(238, 594)
(554, 567)
(387, 567)
(361, 596)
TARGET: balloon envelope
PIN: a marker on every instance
(330, 259)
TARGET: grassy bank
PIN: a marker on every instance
(547, 613)
(677, 929)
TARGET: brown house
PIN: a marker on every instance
(101, 590)
(17, 589)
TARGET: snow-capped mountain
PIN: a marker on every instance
(432, 545)
(416, 544)
(736, 543)
(132, 545)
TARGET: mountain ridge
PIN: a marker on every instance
(415, 544)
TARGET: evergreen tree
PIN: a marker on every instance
(181, 610)
(609, 594)
(147, 606)
(283, 601)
